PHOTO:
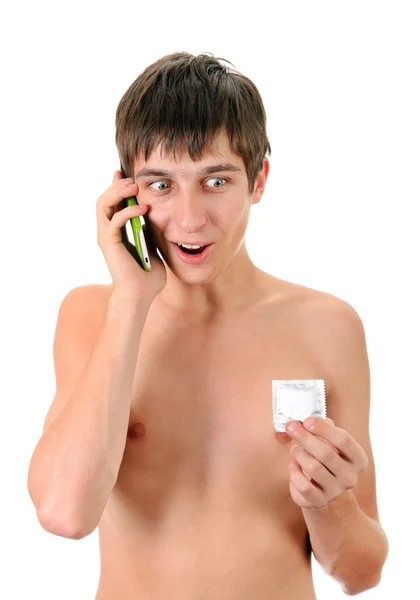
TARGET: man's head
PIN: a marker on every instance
(186, 100)
(181, 116)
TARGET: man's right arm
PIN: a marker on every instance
(75, 463)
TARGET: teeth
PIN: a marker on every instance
(188, 246)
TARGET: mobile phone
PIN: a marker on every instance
(138, 234)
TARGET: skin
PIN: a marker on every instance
(205, 505)
(203, 209)
(317, 475)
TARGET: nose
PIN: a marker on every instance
(190, 212)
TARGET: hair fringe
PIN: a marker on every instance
(185, 101)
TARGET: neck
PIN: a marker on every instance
(212, 289)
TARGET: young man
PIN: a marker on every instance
(161, 431)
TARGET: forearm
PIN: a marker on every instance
(349, 545)
(78, 457)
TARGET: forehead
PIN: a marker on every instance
(219, 149)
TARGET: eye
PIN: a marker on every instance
(218, 179)
(153, 182)
(160, 181)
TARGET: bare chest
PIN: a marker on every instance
(201, 415)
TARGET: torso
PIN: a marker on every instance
(201, 508)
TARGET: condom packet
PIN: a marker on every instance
(296, 400)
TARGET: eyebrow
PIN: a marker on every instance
(148, 171)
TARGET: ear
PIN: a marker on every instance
(260, 181)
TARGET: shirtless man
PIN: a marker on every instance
(161, 430)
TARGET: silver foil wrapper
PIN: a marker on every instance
(296, 400)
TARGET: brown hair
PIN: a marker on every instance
(186, 99)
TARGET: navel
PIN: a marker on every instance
(136, 431)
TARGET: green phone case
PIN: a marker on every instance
(138, 236)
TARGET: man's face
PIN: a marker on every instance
(186, 205)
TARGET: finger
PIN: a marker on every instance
(120, 218)
(117, 175)
(341, 439)
(326, 441)
(313, 468)
(307, 492)
(112, 200)
(317, 447)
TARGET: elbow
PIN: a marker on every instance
(371, 577)
(359, 588)
(62, 527)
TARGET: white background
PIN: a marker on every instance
(340, 84)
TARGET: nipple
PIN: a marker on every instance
(136, 431)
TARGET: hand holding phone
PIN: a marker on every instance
(123, 259)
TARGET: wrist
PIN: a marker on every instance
(122, 301)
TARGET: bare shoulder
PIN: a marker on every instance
(330, 328)
(92, 297)
(322, 320)
(313, 304)
(87, 305)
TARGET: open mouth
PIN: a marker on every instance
(192, 250)
(193, 255)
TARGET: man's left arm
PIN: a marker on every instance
(332, 474)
